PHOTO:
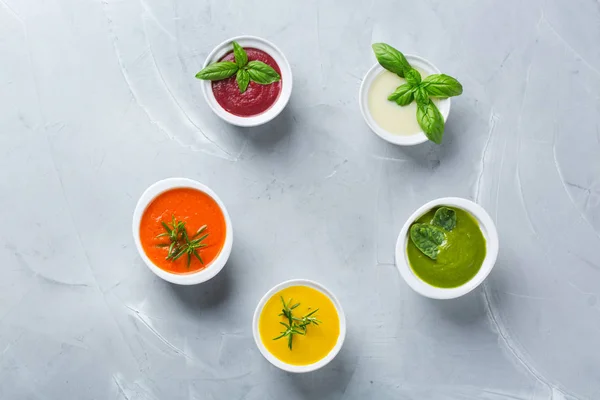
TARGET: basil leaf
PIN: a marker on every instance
(262, 73)
(440, 85)
(243, 79)
(403, 95)
(241, 57)
(413, 77)
(421, 95)
(218, 71)
(427, 238)
(445, 218)
(430, 120)
(391, 59)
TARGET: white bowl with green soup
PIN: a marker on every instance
(447, 248)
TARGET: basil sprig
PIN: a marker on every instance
(244, 70)
(429, 117)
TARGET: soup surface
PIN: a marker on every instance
(318, 341)
(387, 114)
(196, 209)
(257, 98)
(460, 257)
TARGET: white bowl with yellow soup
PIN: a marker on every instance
(388, 120)
(299, 326)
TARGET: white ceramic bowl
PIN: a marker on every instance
(192, 278)
(363, 98)
(488, 228)
(286, 81)
(299, 368)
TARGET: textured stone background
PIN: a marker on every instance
(98, 100)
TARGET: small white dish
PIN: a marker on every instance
(299, 368)
(286, 81)
(192, 278)
(488, 228)
(363, 98)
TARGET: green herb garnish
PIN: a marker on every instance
(294, 325)
(262, 73)
(437, 85)
(413, 77)
(391, 59)
(427, 238)
(180, 243)
(430, 120)
(239, 54)
(403, 95)
(245, 71)
(445, 218)
(440, 85)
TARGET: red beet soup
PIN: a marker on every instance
(257, 98)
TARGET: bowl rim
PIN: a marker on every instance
(444, 105)
(286, 76)
(488, 228)
(192, 278)
(299, 368)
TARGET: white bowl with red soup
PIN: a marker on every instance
(250, 89)
(182, 231)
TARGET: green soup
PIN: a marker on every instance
(460, 257)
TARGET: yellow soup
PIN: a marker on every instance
(318, 341)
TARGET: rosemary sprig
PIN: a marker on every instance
(295, 326)
(180, 243)
(308, 319)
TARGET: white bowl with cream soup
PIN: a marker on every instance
(387, 119)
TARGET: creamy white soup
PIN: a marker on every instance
(387, 114)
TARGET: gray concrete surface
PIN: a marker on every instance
(98, 100)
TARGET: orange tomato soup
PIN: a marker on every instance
(194, 207)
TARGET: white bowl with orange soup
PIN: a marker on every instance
(311, 347)
(180, 215)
